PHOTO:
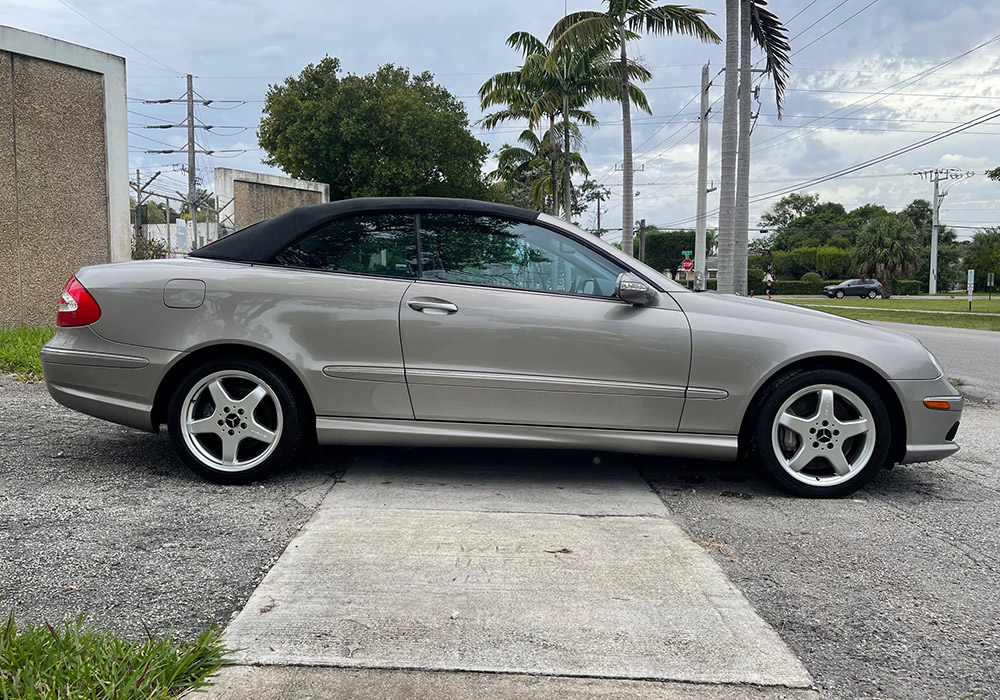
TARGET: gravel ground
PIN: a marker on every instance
(894, 593)
(105, 520)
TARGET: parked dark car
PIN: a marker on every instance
(854, 288)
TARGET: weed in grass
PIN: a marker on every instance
(73, 661)
(20, 348)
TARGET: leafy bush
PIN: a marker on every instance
(833, 262)
(910, 287)
(811, 277)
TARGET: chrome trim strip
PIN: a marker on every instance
(362, 431)
(93, 358)
(530, 382)
(702, 393)
(367, 373)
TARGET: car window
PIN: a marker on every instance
(379, 244)
(498, 252)
(851, 283)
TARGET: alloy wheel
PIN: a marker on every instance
(231, 421)
(823, 435)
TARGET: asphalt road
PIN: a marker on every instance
(973, 356)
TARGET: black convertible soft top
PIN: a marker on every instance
(260, 242)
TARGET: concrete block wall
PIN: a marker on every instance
(63, 169)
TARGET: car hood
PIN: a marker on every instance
(798, 332)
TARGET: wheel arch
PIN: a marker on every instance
(204, 354)
(893, 406)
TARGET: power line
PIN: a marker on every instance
(836, 27)
(865, 164)
(134, 48)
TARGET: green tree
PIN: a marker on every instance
(983, 254)
(384, 134)
(785, 210)
(886, 249)
(665, 249)
(623, 21)
(993, 174)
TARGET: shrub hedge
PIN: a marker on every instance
(900, 287)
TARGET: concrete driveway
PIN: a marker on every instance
(559, 569)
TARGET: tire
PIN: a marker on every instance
(840, 293)
(872, 294)
(802, 439)
(234, 421)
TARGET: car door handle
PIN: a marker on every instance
(430, 305)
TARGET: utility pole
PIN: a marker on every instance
(935, 205)
(192, 208)
(140, 199)
(699, 237)
(936, 175)
(191, 198)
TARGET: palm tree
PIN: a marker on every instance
(887, 248)
(550, 84)
(520, 167)
(533, 92)
(623, 21)
(746, 20)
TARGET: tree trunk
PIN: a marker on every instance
(567, 176)
(742, 223)
(554, 170)
(727, 187)
(627, 186)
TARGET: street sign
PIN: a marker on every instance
(688, 264)
(687, 253)
(971, 285)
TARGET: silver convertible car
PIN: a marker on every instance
(421, 321)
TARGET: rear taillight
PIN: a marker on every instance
(76, 306)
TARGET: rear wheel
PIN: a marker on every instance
(872, 294)
(235, 421)
(822, 433)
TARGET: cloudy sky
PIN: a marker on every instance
(869, 77)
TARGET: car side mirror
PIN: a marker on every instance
(634, 290)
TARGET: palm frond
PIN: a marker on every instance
(673, 19)
(527, 43)
(772, 37)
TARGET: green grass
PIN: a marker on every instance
(949, 320)
(73, 662)
(19, 348)
(958, 305)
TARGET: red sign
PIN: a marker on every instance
(688, 264)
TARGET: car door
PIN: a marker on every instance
(515, 323)
(335, 295)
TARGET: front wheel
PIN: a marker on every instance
(235, 421)
(822, 433)
(840, 293)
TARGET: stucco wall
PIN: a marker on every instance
(248, 197)
(255, 202)
(56, 177)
